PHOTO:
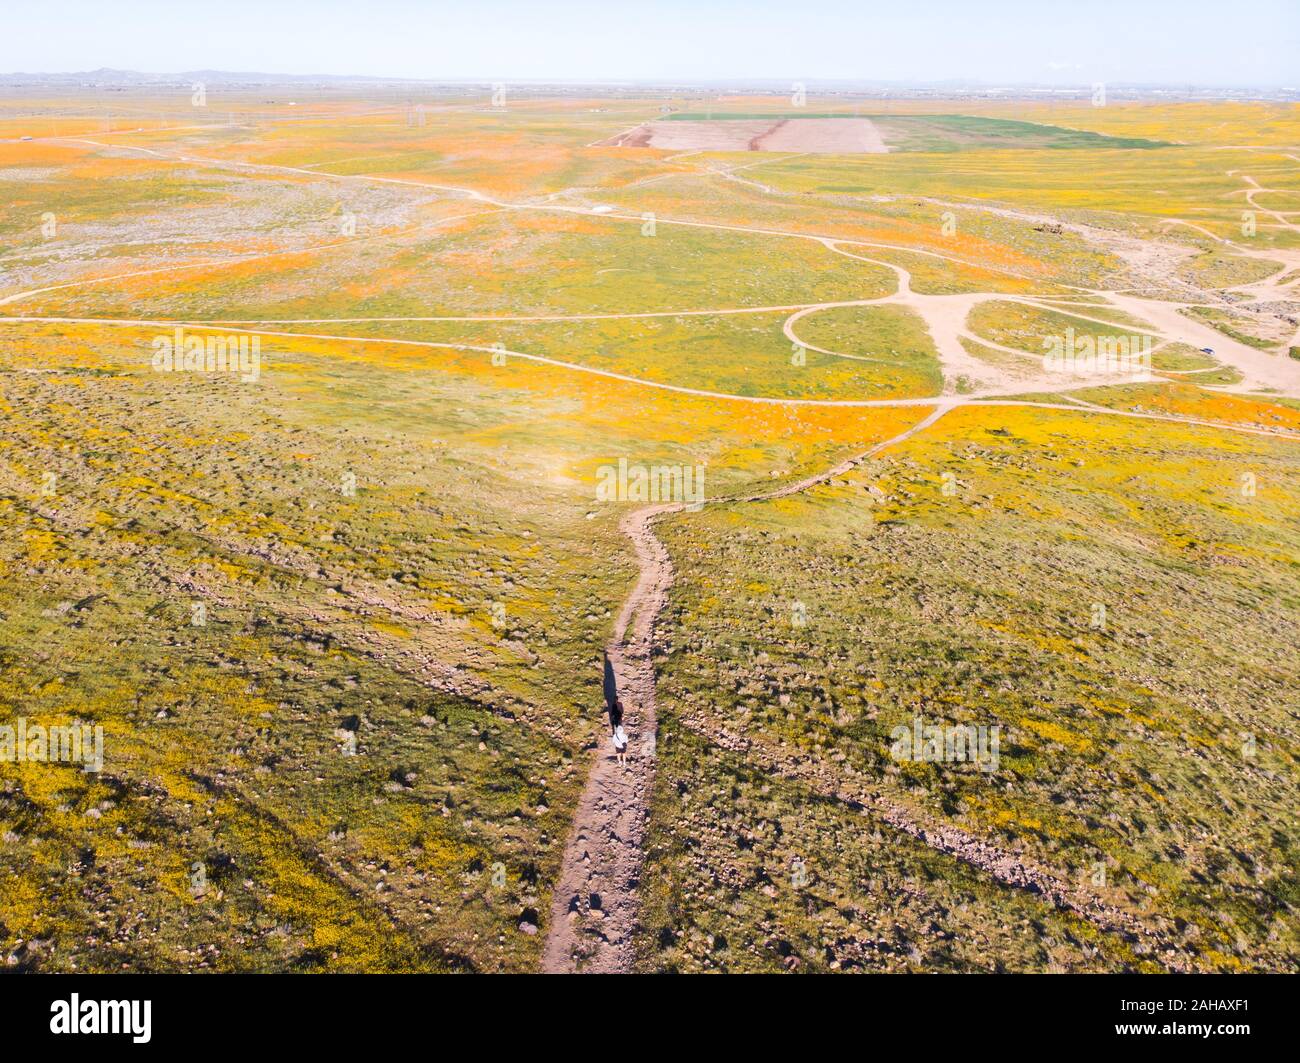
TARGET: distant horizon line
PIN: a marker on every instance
(713, 81)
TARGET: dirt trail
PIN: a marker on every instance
(594, 908)
(986, 398)
(594, 912)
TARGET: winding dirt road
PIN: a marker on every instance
(594, 913)
(594, 908)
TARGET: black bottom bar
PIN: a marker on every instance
(344, 1012)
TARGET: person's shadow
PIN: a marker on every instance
(612, 705)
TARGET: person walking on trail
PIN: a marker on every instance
(615, 708)
(619, 738)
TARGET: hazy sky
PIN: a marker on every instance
(1254, 42)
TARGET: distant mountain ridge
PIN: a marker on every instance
(109, 77)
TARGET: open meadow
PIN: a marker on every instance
(928, 473)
